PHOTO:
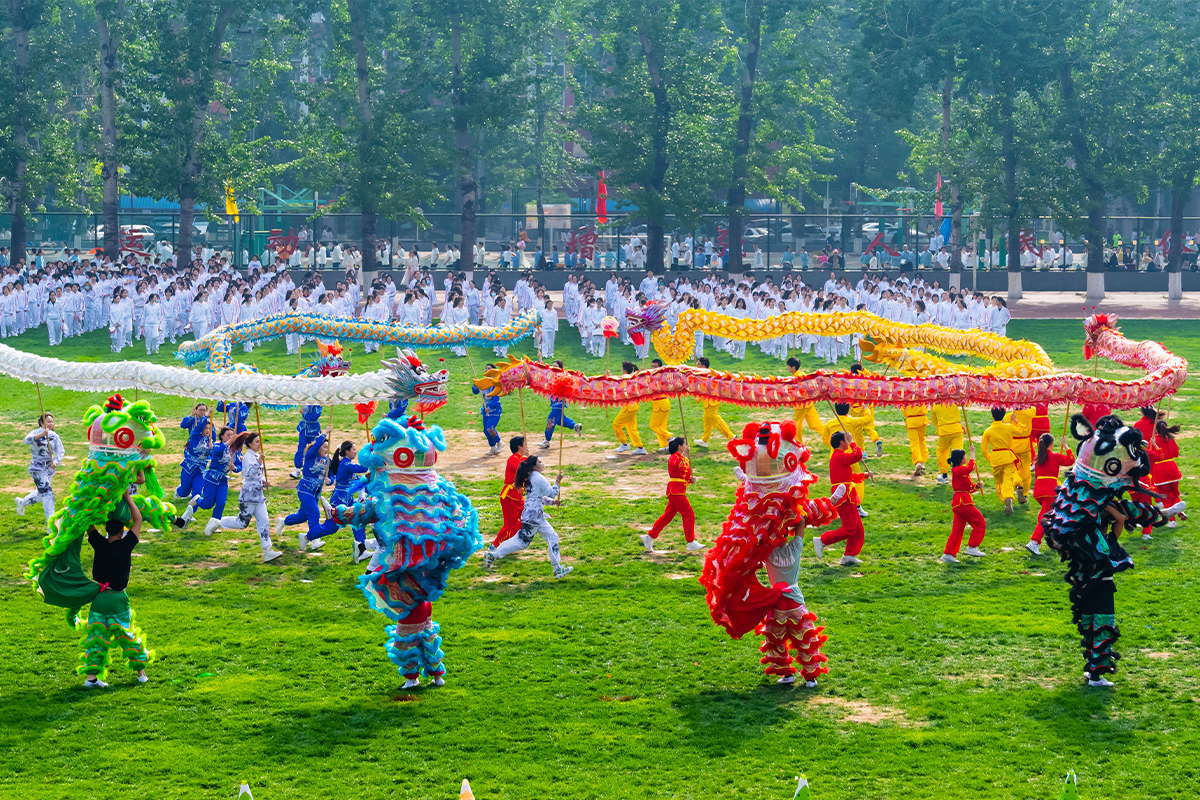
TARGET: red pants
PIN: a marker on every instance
(1171, 490)
(511, 507)
(676, 504)
(964, 515)
(1038, 533)
(851, 532)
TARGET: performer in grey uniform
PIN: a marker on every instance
(252, 499)
(45, 453)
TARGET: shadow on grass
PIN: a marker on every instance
(730, 719)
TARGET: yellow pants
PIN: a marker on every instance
(807, 415)
(858, 487)
(626, 423)
(712, 419)
(870, 433)
(1004, 475)
(658, 426)
(946, 443)
(1022, 477)
(916, 443)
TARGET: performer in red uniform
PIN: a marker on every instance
(1046, 466)
(962, 505)
(679, 470)
(1146, 426)
(845, 454)
(1165, 471)
(512, 502)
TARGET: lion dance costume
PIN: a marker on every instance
(1110, 460)
(122, 438)
(424, 527)
(765, 528)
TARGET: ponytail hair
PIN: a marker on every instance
(338, 455)
(521, 481)
(1165, 431)
(1045, 442)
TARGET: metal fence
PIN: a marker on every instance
(149, 233)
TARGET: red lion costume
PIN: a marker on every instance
(765, 529)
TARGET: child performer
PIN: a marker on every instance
(997, 444)
(214, 488)
(841, 461)
(1045, 483)
(558, 417)
(964, 510)
(916, 424)
(309, 428)
(660, 412)
(490, 412)
(110, 621)
(712, 415)
(679, 471)
(195, 456)
(804, 414)
(344, 469)
(252, 498)
(533, 516)
(625, 424)
(549, 328)
(1165, 470)
(852, 426)
(45, 453)
(512, 502)
(947, 424)
(308, 490)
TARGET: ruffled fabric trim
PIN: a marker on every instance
(101, 635)
(418, 651)
(793, 631)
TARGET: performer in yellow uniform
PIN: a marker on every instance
(625, 424)
(1022, 421)
(948, 426)
(712, 414)
(805, 414)
(868, 416)
(844, 420)
(997, 443)
(916, 423)
(660, 411)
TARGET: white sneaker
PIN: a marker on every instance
(21, 506)
(942, 479)
(700, 442)
(1171, 524)
(786, 679)
(562, 571)
(279, 526)
(918, 470)
(270, 555)
(661, 450)
(359, 551)
(975, 551)
(622, 449)
(639, 451)
(1101, 681)
(94, 683)
(412, 682)
(810, 684)
(647, 542)
(694, 545)
(439, 681)
(212, 526)
(302, 538)
(143, 678)
(1176, 509)
(849, 561)
(818, 545)
(1147, 537)
(1033, 547)
(296, 473)
(949, 559)
(316, 544)
(544, 445)
(489, 558)
(878, 448)
(1008, 507)
(862, 512)
(328, 508)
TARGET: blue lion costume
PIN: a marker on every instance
(423, 526)
(1110, 460)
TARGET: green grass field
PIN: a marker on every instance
(944, 682)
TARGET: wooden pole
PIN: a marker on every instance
(562, 434)
(261, 445)
(970, 444)
(470, 361)
(41, 407)
(1066, 417)
(521, 401)
(682, 421)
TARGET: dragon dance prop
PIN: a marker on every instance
(122, 440)
(423, 526)
(240, 382)
(765, 529)
(1165, 373)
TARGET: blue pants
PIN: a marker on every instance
(189, 480)
(212, 495)
(344, 499)
(558, 418)
(490, 421)
(310, 512)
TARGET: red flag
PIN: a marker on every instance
(601, 201)
(937, 203)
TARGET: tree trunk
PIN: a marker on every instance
(1011, 197)
(956, 205)
(20, 132)
(368, 183)
(1181, 193)
(1093, 188)
(741, 149)
(462, 143)
(109, 46)
(539, 145)
(660, 126)
(193, 163)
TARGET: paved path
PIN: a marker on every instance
(1133, 305)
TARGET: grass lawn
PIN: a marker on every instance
(944, 682)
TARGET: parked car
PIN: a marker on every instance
(143, 232)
